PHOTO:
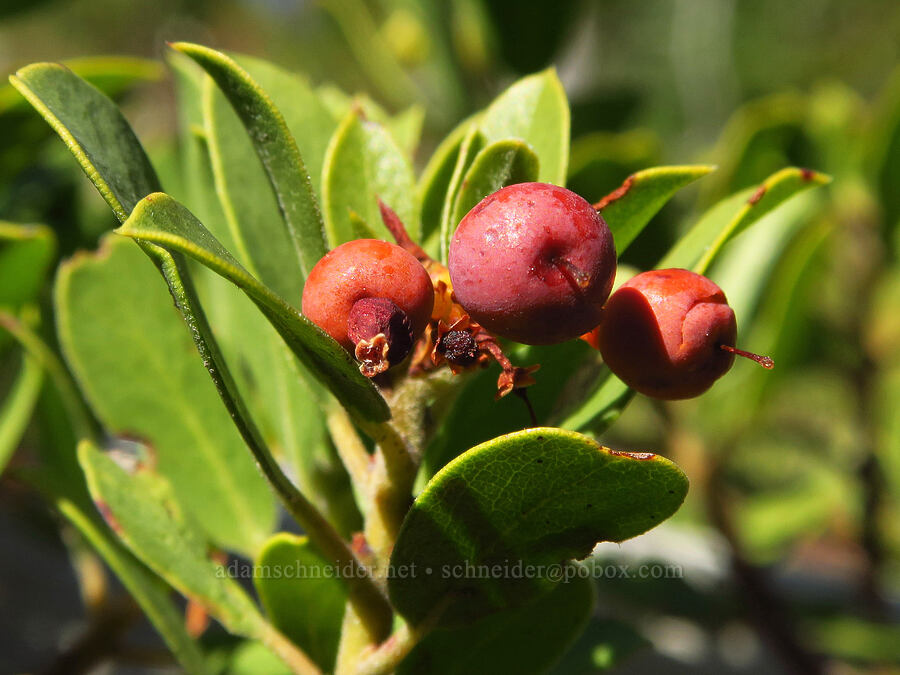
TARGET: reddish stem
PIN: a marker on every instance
(765, 361)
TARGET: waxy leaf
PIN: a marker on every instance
(495, 527)
(534, 109)
(161, 220)
(500, 164)
(698, 248)
(524, 640)
(275, 147)
(164, 542)
(364, 163)
(303, 596)
(136, 366)
(94, 130)
(629, 208)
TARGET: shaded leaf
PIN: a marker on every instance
(525, 640)
(535, 498)
(26, 252)
(435, 179)
(364, 163)
(499, 164)
(275, 147)
(302, 596)
(534, 109)
(137, 368)
(161, 220)
(628, 209)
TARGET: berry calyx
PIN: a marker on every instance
(373, 297)
(669, 334)
(534, 263)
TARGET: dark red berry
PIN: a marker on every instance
(533, 262)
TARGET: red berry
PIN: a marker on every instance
(533, 262)
(669, 334)
(365, 289)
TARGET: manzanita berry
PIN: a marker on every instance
(533, 262)
(669, 334)
(373, 297)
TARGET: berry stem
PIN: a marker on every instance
(573, 274)
(765, 361)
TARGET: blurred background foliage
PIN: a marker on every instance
(790, 534)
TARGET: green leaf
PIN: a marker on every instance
(164, 542)
(435, 179)
(261, 241)
(500, 164)
(362, 164)
(136, 365)
(628, 209)
(275, 147)
(702, 243)
(525, 640)
(94, 130)
(26, 252)
(302, 596)
(537, 497)
(17, 408)
(602, 406)
(534, 109)
(161, 220)
(472, 144)
(152, 595)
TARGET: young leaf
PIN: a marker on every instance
(364, 163)
(701, 244)
(537, 497)
(534, 109)
(275, 147)
(161, 220)
(629, 208)
(500, 164)
(525, 640)
(17, 408)
(472, 144)
(435, 179)
(135, 364)
(302, 595)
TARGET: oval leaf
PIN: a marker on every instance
(629, 208)
(275, 147)
(364, 163)
(136, 366)
(533, 498)
(534, 109)
(302, 596)
(161, 220)
(500, 164)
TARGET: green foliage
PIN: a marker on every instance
(276, 171)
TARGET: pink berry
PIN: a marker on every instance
(533, 262)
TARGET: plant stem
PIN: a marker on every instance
(350, 448)
(287, 651)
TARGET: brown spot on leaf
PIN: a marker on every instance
(807, 174)
(760, 192)
(633, 455)
(108, 516)
(616, 194)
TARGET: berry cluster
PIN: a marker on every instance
(533, 263)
